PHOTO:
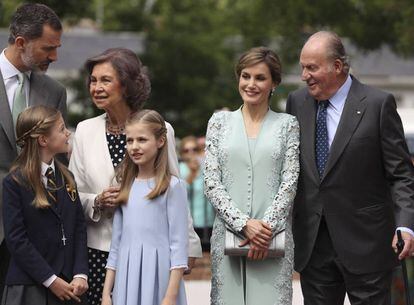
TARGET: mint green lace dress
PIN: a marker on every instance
(243, 184)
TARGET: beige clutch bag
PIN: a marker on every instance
(233, 239)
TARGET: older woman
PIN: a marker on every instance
(251, 172)
(119, 86)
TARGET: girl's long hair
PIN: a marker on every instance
(128, 170)
(32, 123)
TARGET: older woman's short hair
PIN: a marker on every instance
(131, 74)
(258, 55)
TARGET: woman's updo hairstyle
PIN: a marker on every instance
(131, 74)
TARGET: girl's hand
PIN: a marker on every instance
(173, 288)
(168, 301)
(79, 285)
(63, 290)
(258, 233)
(107, 198)
(106, 299)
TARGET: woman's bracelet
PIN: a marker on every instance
(97, 203)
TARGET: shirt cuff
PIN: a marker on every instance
(408, 230)
(82, 276)
(185, 267)
(49, 281)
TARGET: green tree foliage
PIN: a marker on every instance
(127, 15)
(69, 10)
(193, 45)
(190, 64)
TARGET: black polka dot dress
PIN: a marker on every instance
(97, 258)
(117, 147)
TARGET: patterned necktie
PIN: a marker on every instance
(19, 102)
(322, 144)
(51, 184)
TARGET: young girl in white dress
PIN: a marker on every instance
(148, 252)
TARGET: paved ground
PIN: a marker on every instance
(198, 284)
(198, 293)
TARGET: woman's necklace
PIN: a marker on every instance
(116, 130)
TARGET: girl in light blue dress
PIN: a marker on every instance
(148, 252)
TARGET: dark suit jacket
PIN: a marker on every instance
(43, 91)
(368, 185)
(34, 236)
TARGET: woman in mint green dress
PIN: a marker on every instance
(250, 176)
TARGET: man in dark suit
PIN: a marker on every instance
(35, 32)
(356, 184)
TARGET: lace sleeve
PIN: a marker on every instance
(277, 213)
(214, 188)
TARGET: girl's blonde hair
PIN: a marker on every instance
(32, 123)
(128, 170)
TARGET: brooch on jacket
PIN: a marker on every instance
(71, 192)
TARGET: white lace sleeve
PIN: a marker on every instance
(277, 213)
(214, 188)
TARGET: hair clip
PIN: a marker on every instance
(21, 143)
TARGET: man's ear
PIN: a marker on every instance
(20, 42)
(338, 66)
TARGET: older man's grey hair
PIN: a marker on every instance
(335, 48)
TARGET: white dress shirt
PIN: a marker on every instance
(11, 80)
(50, 280)
(335, 108)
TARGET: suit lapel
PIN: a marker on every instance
(6, 119)
(351, 116)
(308, 115)
(38, 94)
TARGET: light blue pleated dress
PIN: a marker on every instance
(149, 238)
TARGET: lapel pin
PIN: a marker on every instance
(71, 192)
(358, 112)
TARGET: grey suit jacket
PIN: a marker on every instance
(43, 91)
(367, 188)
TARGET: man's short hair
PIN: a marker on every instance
(29, 19)
(335, 48)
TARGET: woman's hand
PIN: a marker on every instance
(258, 233)
(106, 299)
(107, 198)
(79, 285)
(63, 290)
(256, 253)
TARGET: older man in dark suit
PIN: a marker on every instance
(35, 32)
(356, 184)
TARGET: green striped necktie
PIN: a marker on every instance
(19, 102)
